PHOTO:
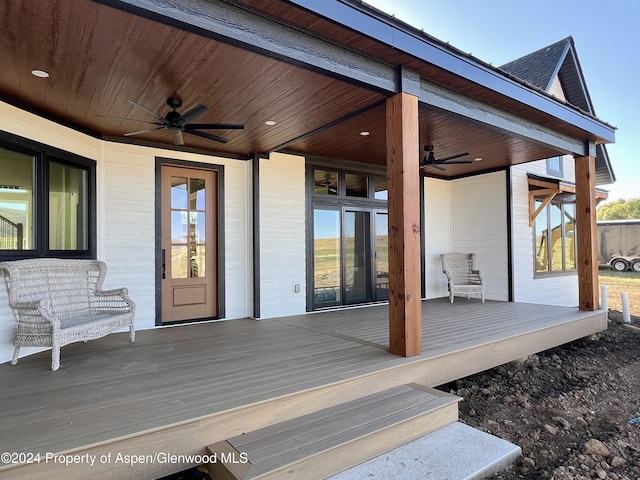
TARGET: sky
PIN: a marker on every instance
(498, 31)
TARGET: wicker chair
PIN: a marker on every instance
(58, 301)
(462, 275)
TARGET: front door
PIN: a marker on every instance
(189, 244)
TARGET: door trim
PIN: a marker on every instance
(160, 162)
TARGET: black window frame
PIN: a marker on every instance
(43, 154)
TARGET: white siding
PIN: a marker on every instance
(437, 233)
(238, 238)
(126, 223)
(282, 236)
(552, 290)
(479, 225)
(126, 217)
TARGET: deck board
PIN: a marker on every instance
(109, 388)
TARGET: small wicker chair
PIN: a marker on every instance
(462, 275)
(58, 301)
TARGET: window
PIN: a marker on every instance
(380, 189)
(554, 231)
(346, 186)
(326, 182)
(46, 199)
(356, 185)
(555, 167)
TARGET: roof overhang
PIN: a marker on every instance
(406, 39)
(323, 70)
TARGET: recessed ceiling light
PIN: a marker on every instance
(40, 73)
(477, 159)
(365, 133)
(270, 123)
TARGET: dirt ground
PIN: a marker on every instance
(574, 410)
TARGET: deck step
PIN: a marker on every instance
(321, 444)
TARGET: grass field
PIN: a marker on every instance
(622, 282)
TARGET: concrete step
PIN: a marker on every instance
(454, 452)
(321, 444)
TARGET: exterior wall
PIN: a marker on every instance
(479, 225)
(553, 289)
(467, 215)
(437, 233)
(282, 236)
(126, 217)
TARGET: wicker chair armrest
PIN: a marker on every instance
(28, 305)
(39, 308)
(116, 292)
(477, 276)
(115, 298)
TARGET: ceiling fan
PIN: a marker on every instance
(430, 159)
(178, 123)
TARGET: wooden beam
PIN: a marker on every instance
(440, 98)
(403, 159)
(588, 289)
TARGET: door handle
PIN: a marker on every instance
(164, 263)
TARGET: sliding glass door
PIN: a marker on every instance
(350, 256)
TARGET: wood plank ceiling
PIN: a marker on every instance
(98, 57)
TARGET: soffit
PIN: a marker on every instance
(99, 56)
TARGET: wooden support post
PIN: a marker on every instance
(586, 233)
(403, 159)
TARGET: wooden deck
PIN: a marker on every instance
(176, 390)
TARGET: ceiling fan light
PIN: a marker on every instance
(178, 139)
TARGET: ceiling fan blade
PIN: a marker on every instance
(155, 115)
(433, 165)
(206, 135)
(143, 131)
(451, 157)
(216, 126)
(178, 139)
(192, 114)
(460, 162)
